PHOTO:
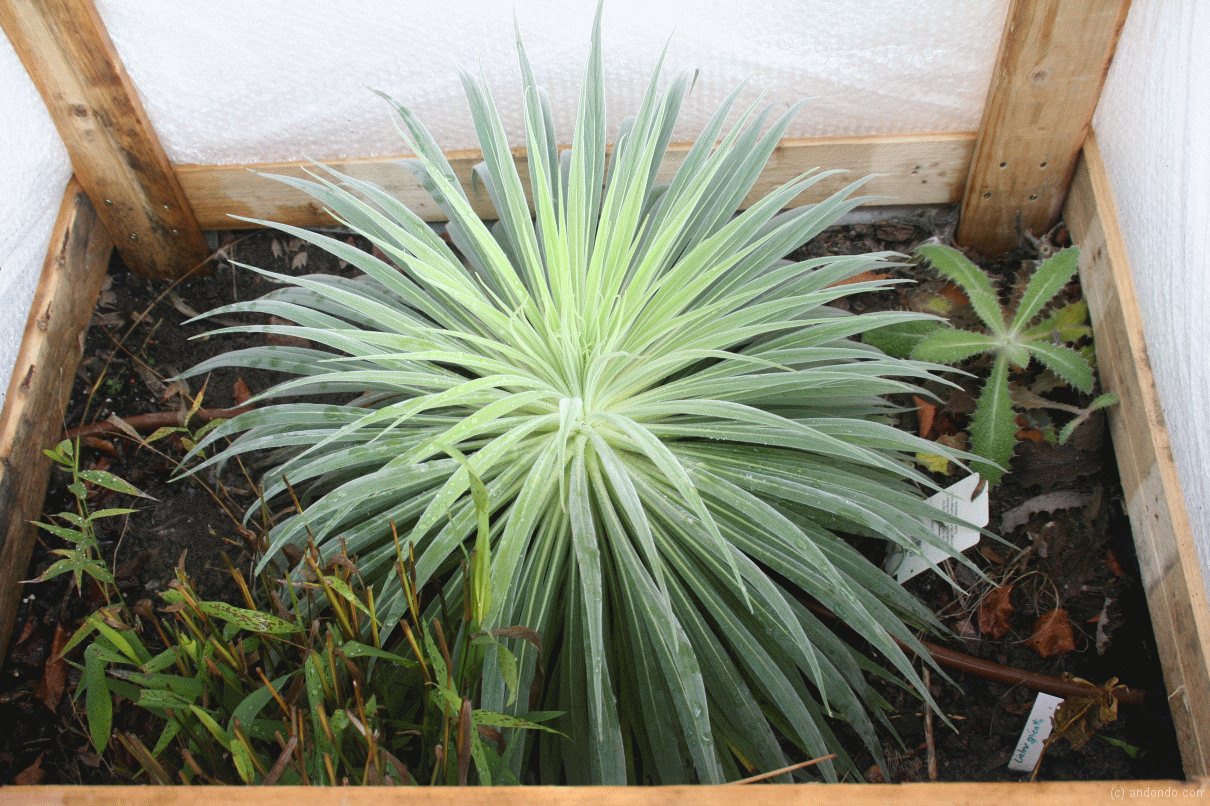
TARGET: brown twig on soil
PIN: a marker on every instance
(764, 776)
(989, 670)
(930, 741)
(154, 420)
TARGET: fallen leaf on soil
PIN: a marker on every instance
(281, 339)
(175, 389)
(934, 463)
(995, 612)
(151, 380)
(240, 391)
(33, 774)
(26, 631)
(1111, 562)
(1032, 434)
(864, 277)
(103, 445)
(991, 555)
(954, 294)
(299, 261)
(54, 675)
(182, 307)
(956, 441)
(123, 426)
(1102, 621)
(1019, 515)
(1052, 634)
(926, 415)
(1079, 718)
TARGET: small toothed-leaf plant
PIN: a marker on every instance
(1013, 338)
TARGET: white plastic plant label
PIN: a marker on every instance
(1033, 737)
(966, 500)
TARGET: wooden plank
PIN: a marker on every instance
(1048, 77)
(114, 151)
(1176, 591)
(1058, 793)
(916, 169)
(41, 384)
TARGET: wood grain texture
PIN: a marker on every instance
(1176, 591)
(41, 384)
(916, 169)
(1053, 58)
(1059, 793)
(114, 151)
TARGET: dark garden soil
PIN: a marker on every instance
(1067, 543)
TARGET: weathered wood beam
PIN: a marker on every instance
(910, 168)
(115, 153)
(32, 417)
(1163, 537)
(1053, 58)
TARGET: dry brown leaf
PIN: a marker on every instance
(282, 339)
(995, 612)
(240, 391)
(926, 415)
(176, 389)
(1052, 634)
(33, 774)
(54, 674)
(864, 277)
(955, 295)
(1032, 434)
(1079, 718)
(1054, 501)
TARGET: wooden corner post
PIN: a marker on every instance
(115, 153)
(1053, 58)
(32, 416)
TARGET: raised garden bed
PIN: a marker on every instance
(1010, 180)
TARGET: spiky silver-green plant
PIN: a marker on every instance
(676, 432)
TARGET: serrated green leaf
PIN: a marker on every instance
(1044, 284)
(951, 263)
(1069, 365)
(994, 427)
(950, 346)
(900, 339)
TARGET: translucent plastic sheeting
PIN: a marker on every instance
(33, 172)
(232, 81)
(1151, 125)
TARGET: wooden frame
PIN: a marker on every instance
(1168, 563)
(41, 384)
(922, 169)
(1176, 594)
(114, 150)
(908, 169)
(1054, 56)
(1051, 793)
